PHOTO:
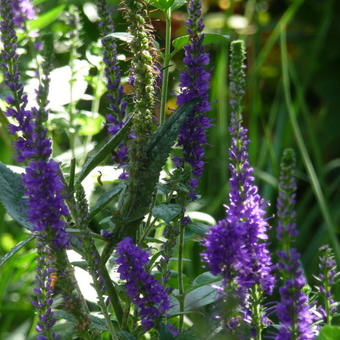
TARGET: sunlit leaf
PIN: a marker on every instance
(15, 249)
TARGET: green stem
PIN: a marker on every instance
(256, 311)
(180, 278)
(303, 150)
(167, 57)
(112, 294)
(94, 109)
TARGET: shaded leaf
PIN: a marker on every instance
(12, 195)
(164, 333)
(200, 297)
(198, 228)
(123, 335)
(105, 199)
(138, 196)
(167, 212)
(205, 278)
(14, 250)
(98, 323)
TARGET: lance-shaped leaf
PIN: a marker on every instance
(105, 199)
(99, 153)
(140, 189)
(15, 249)
(12, 195)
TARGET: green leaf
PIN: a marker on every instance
(123, 36)
(200, 297)
(166, 4)
(14, 250)
(60, 314)
(99, 153)
(123, 335)
(89, 126)
(329, 333)
(205, 278)
(105, 199)
(98, 323)
(164, 333)
(45, 19)
(166, 212)
(12, 195)
(199, 228)
(162, 4)
(80, 264)
(138, 196)
(209, 38)
(177, 4)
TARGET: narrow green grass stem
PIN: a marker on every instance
(303, 150)
(180, 278)
(167, 57)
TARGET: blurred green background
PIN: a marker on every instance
(311, 68)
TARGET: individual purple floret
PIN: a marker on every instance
(23, 10)
(142, 288)
(117, 104)
(327, 280)
(293, 311)
(194, 84)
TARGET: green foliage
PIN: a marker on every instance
(167, 212)
(209, 38)
(14, 250)
(12, 195)
(101, 151)
(329, 333)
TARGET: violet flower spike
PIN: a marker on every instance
(43, 185)
(327, 279)
(246, 208)
(143, 289)
(293, 311)
(286, 225)
(44, 293)
(194, 83)
(117, 104)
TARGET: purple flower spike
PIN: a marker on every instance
(326, 281)
(194, 84)
(142, 288)
(293, 311)
(286, 228)
(237, 246)
(117, 104)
